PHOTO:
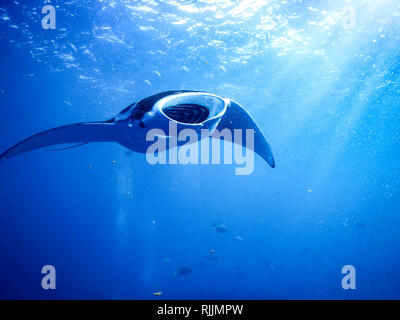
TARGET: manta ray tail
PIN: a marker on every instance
(75, 133)
(237, 118)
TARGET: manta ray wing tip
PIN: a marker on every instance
(267, 155)
(269, 158)
(272, 165)
(271, 162)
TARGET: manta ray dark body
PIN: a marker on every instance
(187, 109)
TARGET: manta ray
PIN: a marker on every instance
(187, 109)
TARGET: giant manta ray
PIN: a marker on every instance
(187, 109)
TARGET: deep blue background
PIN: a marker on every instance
(326, 97)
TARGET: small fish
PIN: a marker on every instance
(221, 228)
(157, 293)
(239, 238)
(183, 271)
(212, 251)
(113, 162)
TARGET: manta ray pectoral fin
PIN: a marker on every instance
(74, 133)
(236, 117)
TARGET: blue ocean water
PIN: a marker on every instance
(320, 77)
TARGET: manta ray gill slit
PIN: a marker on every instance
(187, 113)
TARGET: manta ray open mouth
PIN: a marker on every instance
(187, 113)
(191, 107)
